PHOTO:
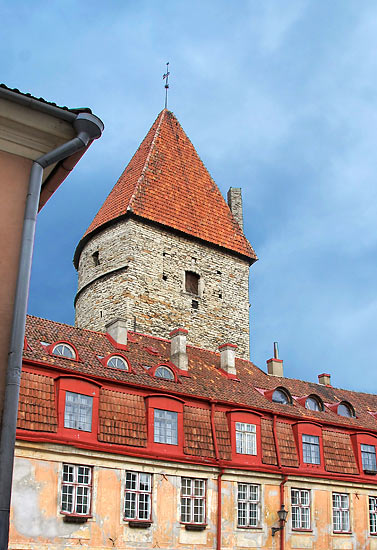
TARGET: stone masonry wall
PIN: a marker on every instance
(141, 278)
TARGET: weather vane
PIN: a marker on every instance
(166, 77)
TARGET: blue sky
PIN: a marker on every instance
(278, 98)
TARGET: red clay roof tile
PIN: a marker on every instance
(338, 452)
(36, 409)
(166, 182)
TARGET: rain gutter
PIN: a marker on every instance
(88, 127)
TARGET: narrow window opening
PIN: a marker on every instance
(164, 277)
(195, 304)
(192, 282)
(95, 257)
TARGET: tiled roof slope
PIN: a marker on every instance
(166, 182)
(205, 381)
(37, 409)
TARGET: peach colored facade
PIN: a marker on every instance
(37, 522)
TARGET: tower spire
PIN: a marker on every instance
(166, 78)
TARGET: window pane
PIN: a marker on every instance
(67, 498)
(185, 509)
(130, 506)
(78, 411)
(165, 427)
(248, 505)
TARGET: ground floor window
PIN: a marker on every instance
(76, 489)
(138, 496)
(248, 505)
(193, 500)
(341, 512)
(300, 502)
(373, 515)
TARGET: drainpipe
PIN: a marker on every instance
(283, 482)
(88, 127)
(219, 477)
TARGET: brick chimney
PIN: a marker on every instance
(117, 330)
(235, 204)
(324, 379)
(178, 354)
(275, 365)
(227, 358)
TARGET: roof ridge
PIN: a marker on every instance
(146, 164)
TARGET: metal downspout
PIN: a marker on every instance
(88, 127)
(219, 477)
(283, 482)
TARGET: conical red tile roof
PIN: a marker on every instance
(166, 182)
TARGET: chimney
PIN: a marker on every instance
(235, 204)
(178, 354)
(227, 358)
(275, 365)
(324, 379)
(117, 330)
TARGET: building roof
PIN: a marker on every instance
(167, 183)
(205, 381)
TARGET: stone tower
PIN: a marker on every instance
(165, 249)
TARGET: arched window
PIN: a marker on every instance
(164, 372)
(64, 350)
(345, 409)
(313, 403)
(117, 362)
(281, 396)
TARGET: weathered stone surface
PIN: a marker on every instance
(141, 277)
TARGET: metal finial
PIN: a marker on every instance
(166, 77)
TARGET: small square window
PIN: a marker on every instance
(78, 411)
(192, 282)
(165, 427)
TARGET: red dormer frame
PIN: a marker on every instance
(307, 427)
(248, 417)
(50, 347)
(302, 401)
(167, 403)
(83, 386)
(104, 360)
(169, 366)
(363, 438)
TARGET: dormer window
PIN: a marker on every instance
(281, 396)
(313, 403)
(246, 438)
(64, 350)
(345, 409)
(164, 372)
(117, 362)
(368, 458)
(192, 282)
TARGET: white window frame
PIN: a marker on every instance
(136, 494)
(72, 485)
(373, 515)
(368, 457)
(78, 413)
(301, 509)
(311, 449)
(248, 505)
(341, 513)
(165, 427)
(63, 347)
(193, 501)
(117, 362)
(246, 438)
